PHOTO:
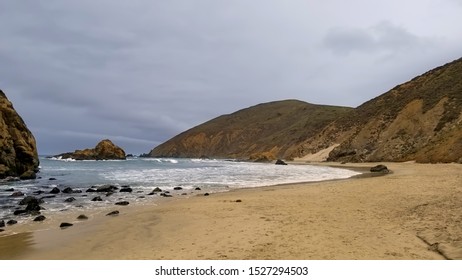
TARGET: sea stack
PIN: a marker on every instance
(18, 149)
(105, 150)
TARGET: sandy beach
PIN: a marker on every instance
(415, 212)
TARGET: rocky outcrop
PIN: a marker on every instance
(105, 150)
(18, 150)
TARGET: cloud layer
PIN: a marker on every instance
(140, 72)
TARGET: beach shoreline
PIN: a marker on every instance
(412, 213)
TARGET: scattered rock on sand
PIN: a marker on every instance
(380, 168)
(113, 213)
(123, 203)
(177, 188)
(82, 217)
(197, 189)
(65, 225)
(39, 218)
(206, 194)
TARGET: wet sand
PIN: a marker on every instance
(415, 212)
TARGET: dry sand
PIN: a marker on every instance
(413, 213)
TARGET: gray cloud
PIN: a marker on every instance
(140, 72)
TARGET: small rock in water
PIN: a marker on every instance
(11, 222)
(19, 212)
(38, 192)
(177, 188)
(123, 203)
(165, 195)
(126, 189)
(68, 190)
(9, 190)
(91, 190)
(2, 223)
(65, 225)
(157, 189)
(197, 189)
(97, 198)
(280, 162)
(82, 217)
(52, 179)
(55, 190)
(70, 199)
(206, 194)
(17, 194)
(39, 218)
(113, 213)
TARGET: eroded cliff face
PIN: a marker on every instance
(419, 120)
(18, 150)
(104, 150)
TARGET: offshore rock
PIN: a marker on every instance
(105, 150)
(18, 149)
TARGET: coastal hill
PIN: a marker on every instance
(18, 150)
(419, 120)
(262, 132)
(104, 150)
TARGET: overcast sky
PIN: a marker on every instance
(140, 72)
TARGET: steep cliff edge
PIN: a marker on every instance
(104, 150)
(18, 150)
(419, 120)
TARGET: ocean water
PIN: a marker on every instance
(145, 174)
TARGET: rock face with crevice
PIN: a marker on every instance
(18, 149)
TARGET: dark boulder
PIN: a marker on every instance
(70, 199)
(11, 222)
(197, 189)
(113, 213)
(122, 203)
(2, 223)
(177, 188)
(9, 190)
(65, 225)
(97, 198)
(126, 189)
(55, 190)
(19, 212)
(280, 162)
(68, 190)
(380, 168)
(17, 194)
(106, 188)
(39, 218)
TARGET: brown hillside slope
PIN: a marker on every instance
(419, 120)
(262, 132)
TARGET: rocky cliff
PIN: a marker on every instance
(262, 132)
(104, 150)
(419, 120)
(18, 150)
